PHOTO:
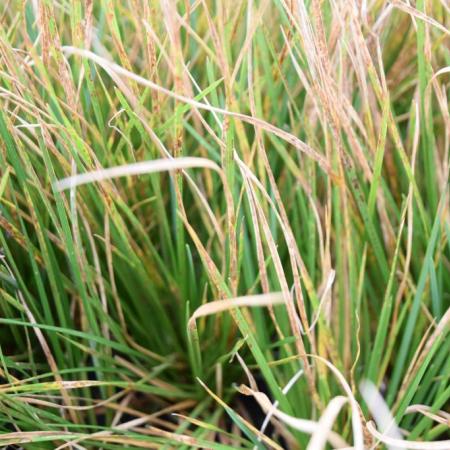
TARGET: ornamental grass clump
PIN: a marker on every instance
(224, 224)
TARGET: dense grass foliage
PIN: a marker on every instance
(276, 228)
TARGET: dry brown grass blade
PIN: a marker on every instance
(413, 12)
(23, 437)
(108, 435)
(325, 424)
(439, 416)
(275, 298)
(380, 411)
(120, 71)
(140, 168)
(410, 445)
(99, 404)
(306, 426)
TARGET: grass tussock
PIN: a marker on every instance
(224, 224)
